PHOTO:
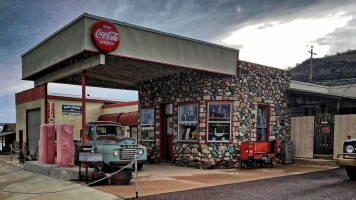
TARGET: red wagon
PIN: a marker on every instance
(259, 154)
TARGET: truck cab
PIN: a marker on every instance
(108, 138)
(348, 157)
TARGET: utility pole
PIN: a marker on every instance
(311, 64)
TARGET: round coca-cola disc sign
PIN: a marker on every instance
(105, 36)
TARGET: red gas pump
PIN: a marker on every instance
(259, 153)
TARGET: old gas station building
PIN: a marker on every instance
(197, 100)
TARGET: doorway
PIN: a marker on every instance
(166, 131)
(33, 121)
(324, 136)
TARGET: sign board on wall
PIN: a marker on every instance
(325, 129)
(105, 36)
(71, 110)
(50, 112)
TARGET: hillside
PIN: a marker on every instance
(331, 70)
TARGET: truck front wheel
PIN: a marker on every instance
(351, 172)
(139, 166)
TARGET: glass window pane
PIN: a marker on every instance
(169, 109)
(262, 116)
(219, 112)
(147, 116)
(219, 132)
(147, 124)
(169, 125)
(89, 131)
(147, 133)
(261, 134)
(219, 122)
(187, 129)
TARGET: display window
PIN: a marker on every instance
(219, 118)
(147, 120)
(263, 122)
(188, 123)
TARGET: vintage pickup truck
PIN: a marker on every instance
(348, 158)
(108, 139)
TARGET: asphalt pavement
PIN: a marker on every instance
(328, 184)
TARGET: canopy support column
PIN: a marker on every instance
(46, 103)
(83, 108)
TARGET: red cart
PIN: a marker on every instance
(259, 154)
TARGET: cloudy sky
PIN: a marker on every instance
(275, 33)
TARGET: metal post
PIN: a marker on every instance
(46, 104)
(136, 178)
(10, 151)
(83, 107)
(311, 64)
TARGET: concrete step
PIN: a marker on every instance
(316, 162)
(52, 170)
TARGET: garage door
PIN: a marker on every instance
(34, 123)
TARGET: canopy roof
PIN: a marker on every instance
(143, 54)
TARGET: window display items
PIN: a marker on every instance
(262, 123)
(147, 124)
(187, 115)
(219, 122)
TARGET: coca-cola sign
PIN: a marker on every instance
(105, 36)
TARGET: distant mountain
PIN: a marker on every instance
(330, 70)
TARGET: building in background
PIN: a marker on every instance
(61, 108)
(7, 137)
(321, 118)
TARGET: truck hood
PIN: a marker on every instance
(110, 140)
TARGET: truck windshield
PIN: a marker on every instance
(109, 130)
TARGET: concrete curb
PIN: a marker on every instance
(315, 162)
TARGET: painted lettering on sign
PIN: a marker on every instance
(325, 129)
(50, 113)
(105, 36)
(71, 110)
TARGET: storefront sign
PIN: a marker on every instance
(71, 110)
(50, 112)
(105, 36)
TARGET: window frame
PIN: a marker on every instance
(197, 122)
(268, 121)
(207, 121)
(153, 124)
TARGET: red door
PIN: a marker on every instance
(167, 131)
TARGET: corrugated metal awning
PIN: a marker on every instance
(2, 134)
(110, 117)
(129, 119)
(125, 119)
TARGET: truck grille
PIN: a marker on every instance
(127, 154)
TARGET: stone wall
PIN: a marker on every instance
(252, 84)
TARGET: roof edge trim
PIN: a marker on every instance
(128, 25)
